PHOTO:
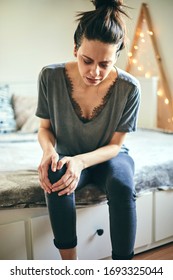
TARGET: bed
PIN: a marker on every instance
(22, 200)
(21, 153)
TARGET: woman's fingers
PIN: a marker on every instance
(45, 187)
(70, 189)
(66, 185)
(62, 161)
(44, 181)
(65, 181)
(61, 184)
(68, 181)
(54, 161)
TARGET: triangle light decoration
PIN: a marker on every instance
(140, 64)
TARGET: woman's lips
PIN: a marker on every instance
(93, 81)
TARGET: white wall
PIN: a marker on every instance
(34, 33)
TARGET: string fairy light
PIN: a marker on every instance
(147, 75)
(134, 61)
(140, 68)
(141, 63)
(130, 54)
(166, 101)
(160, 93)
(150, 32)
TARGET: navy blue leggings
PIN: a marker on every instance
(115, 177)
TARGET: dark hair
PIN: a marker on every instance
(104, 24)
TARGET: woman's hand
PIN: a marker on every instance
(49, 158)
(68, 182)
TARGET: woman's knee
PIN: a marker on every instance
(55, 176)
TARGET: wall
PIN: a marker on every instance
(35, 33)
(38, 32)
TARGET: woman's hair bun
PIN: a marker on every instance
(107, 3)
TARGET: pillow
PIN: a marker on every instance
(24, 110)
(7, 121)
(31, 125)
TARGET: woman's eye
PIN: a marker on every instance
(103, 66)
(87, 61)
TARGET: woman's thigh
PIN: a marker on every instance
(116, 172)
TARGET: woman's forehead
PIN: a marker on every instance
(95, 48)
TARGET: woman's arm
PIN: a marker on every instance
(104, 153)
(50, 157)
(45, 135)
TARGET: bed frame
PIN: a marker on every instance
(26, 233)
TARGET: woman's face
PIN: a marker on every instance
(95, 60)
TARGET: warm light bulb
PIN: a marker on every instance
(134, 61)
(150, 32)
(140, 68)
(136, 47)
(166, 101)
(130, 54)
(141, 35)
(147, 75)
(143, 40)
(160, 93)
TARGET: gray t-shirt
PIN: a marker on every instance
(74, 136)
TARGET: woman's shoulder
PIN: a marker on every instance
(127, 78)
(52, 68)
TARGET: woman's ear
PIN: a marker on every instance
(75, 50)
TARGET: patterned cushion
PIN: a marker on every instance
(7, 121)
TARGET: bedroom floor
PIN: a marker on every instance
(164, 252)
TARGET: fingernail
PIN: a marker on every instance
(59, 166)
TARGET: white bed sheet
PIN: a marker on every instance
(147, 147)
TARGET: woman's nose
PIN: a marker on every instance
(95, 71)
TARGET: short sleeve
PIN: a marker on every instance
(42, 110)
(128, 121)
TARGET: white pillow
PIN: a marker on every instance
(24, 108)
(31, 125)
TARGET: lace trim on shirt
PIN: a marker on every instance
(96, 111)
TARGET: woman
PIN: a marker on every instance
(86, 108)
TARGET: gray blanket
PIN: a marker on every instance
(19, 187)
